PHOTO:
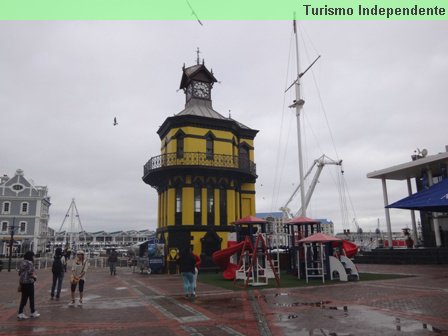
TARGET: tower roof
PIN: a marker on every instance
(196, 72)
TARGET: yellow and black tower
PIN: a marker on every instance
(205, 175)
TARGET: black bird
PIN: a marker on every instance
(115, 121)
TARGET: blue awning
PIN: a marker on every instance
(434, 199)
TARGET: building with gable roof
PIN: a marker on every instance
(24, 207)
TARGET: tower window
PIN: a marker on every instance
(209, 147)
(244, 157)
(197, 205)
(178, 214)
(180, 146)
(210, 206)
(223, 206)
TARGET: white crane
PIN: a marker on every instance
(320, 164)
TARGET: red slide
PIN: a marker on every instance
(222, 258)
(350, 248)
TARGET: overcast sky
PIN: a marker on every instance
(376, 95)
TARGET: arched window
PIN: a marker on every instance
(209, 146)
(243, 157)
(180, 145)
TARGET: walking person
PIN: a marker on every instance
(27, 277)
(79, 270)
(187, 264)
(196, 269)
(113, 259)
(66, 255)
(58, 269)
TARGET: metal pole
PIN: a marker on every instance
(298, 105)
(414, 225)
(11, 242)
(386, 210)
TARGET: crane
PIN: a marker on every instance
(320, 164)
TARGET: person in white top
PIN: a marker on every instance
(79, 270)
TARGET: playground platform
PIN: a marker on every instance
(136, 304)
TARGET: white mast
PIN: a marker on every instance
(298, 104)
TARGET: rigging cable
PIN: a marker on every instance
(277, 175)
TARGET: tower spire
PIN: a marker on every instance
(197, 56)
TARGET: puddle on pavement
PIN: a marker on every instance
(320, 332)
(359, 315)
(320, 304)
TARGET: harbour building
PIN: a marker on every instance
(24, 215)
(205, 173)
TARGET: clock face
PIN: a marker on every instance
(201, 90)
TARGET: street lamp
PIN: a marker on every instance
(11, 242)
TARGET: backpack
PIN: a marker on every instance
(57, 267)
(25, 271)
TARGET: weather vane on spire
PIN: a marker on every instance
(197, 57)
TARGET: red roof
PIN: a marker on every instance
(302, 220)
(250, 220)
(319, 238)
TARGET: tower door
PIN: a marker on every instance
(243, 157)
(211, 243)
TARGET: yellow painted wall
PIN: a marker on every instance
(198, 145)
(222, 144)
(188, 205)
(246, 206)
(171, 193)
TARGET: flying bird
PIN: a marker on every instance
(194, 13)
(115, 121)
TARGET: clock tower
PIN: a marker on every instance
(205, 173)
(197, 83)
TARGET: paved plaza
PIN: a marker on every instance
(135, 304)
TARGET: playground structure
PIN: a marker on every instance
(312, 254)
(319, 256)
(254, 266)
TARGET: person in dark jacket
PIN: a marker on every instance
(113, 259)
(27, 278)
(187, 264)
(58, 269)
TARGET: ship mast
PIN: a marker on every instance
(298, 105)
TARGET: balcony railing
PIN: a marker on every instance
(197, 159)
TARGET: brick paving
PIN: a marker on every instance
(136, 304)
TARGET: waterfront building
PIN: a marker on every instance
(205, 175)
(424, 171)
(100, 240)
(24, 208)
